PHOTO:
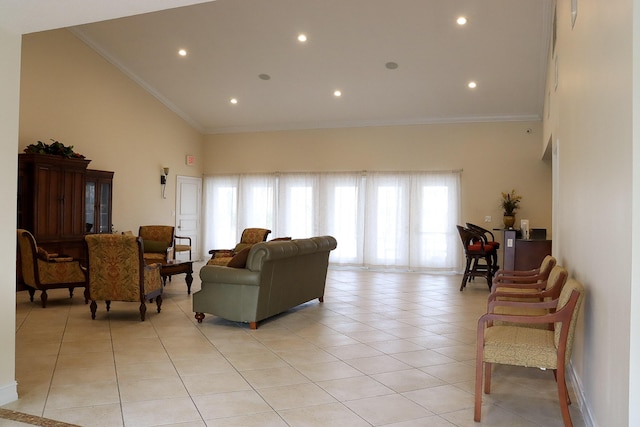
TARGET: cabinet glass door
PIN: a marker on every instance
(105, 209)
(90, 203)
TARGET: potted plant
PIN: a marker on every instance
(56, 148)
(510, 203)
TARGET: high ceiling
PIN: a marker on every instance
(230, 43)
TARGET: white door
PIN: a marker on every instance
(188, 203)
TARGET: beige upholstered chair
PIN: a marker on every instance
(503, 277)
(42, 271)
(547, 289)
(117, 272)
(548, 348)
(502, 301)
(156, 240)
(250, 236)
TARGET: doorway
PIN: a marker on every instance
(188, 212)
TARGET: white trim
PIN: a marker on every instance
(583, 403)
(8, 392)
(369, 123)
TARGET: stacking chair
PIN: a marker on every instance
(479, 256)
(117, 272)
(540, 290)
(506, 300)
(250, 236)
(548, 348)
(526, 276)
(43, 271)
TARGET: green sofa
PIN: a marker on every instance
(279, 275)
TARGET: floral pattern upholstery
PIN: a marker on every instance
(48, 273)
(117, 271)
(161, 236)
(250, 236)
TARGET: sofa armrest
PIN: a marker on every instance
(229, 275)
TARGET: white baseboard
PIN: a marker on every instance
(582, 401)
(8, 392)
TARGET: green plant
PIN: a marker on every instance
(56, 148)
(510, 202)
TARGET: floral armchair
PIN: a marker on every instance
(117, 272)
(156, 240)
(43, 271)
(250, 236)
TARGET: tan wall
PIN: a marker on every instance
(71, 94)
(590, 119)
(494, 157)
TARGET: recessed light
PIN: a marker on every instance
(302, 38)
(472, 85)
(461, 20)
(391, 65)
(233, 101)
(182, 52)
(264, 76)
(337, 93)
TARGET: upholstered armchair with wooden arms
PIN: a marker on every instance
(250, 236)
(156, 239)
(547, 348)
(547, 289)
(182, 244)
(43, 271)
(540, 274)
(117, 272)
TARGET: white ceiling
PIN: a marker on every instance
(230, 43)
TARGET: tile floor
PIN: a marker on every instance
(384, 349)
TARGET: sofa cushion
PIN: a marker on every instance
(240, 246)
(154, 246)
(239, 260)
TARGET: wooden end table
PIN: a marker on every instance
(178, 267)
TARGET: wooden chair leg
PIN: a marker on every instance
(487, 378)
(93, 308)
(32, 293)
(465, 276)
(70, 292)
(43, 298)
(477, 410)
(143, 310)
(563, 396)
(253, 325)
(159, 302)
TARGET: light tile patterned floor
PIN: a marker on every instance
(393, 349)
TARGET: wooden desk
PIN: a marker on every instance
(523, 254)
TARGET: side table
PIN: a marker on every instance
(178, 267)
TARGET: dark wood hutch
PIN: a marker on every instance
(60, 200)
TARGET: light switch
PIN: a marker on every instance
(509, 243)
(487, 218)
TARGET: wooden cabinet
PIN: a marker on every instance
(523, 254)
(51, 201)
(98, 197)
